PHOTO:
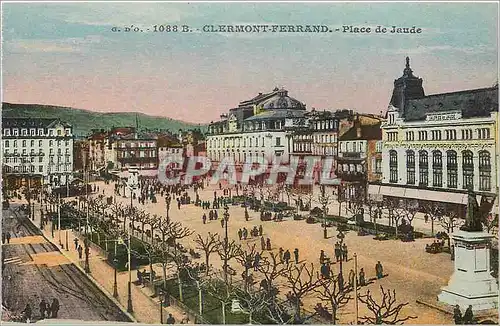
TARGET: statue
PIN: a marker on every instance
(473, 221)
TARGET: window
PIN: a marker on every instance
(58, 143)
(24, 143)
(40, 132)
(467, 134)
(436, 135)
(410, 167)
(437, 169)
(6, 143)
(6, 132)
(484, 171)
(422, 135)
(24, 132)
(16, 132)
(452, 168)
(32, 132)
(32, 143)
(423, 168)
(51, 133)
(40, 143)
(392, 136)
(410, 136)
(51, 143)
(40, 168)
(378, 166)
(468, 169)
(59, 132)
(393, 166)
(483, 133)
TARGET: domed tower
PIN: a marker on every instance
(406, 87)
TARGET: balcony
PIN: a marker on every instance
(352, 176)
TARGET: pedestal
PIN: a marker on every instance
(471, 283)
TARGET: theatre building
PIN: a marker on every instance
(436, 147)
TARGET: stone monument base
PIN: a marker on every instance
(471, 283)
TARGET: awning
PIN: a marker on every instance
(422, 194)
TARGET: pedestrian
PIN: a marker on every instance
(256, 262)
(281, 254)
(54, 307)
(296, 255)
(76, 243)
(3, 237)
(222, 222)
(468, 316)
(26, 313)
(43, 308)
(245, 233)
(322, 257)
(362, 281)
(240, 234)
(344, 252)
(8, 237)
(287, 256)
(426, 218)
(262, 243)
(261, 230)
(80, 251)
(139, 277)
(268, 244)
(204, 218)
(170, 319)
(351, 278)
(216, 215)
(379, 270)
(457, 315)
(337, 252)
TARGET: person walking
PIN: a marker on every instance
(261, 230)
(337, 252)
(8, 237)
(268, 244)
(80, 252)
(204, 218)
(256, 262)
(379, 270)
(240, 234)
(322, 257)
(170, 319)
(26, 313)
(54, 307)
(362, 280)
(344, 252)
(262, 243)
(351, 278)
(43, 308)
(287, 256)
(296, 255)
(457, 315)
(281, 254)
(468, 316)
(76, 243)
(3, 237)
(222, 222)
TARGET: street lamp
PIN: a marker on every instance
(129, 301)
(341, 237)
(226, 240)
(168, 199)
(87, 252)
(162, 300)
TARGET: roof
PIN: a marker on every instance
(370, 132)
(277, 99)
(32, 123)
(472, 103)
(276, 114)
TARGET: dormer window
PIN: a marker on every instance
(6, 132)
(24, 132)
(40, 132)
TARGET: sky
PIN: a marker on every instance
(67, 54)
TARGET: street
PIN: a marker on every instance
(33, 269)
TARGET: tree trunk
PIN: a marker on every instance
(207, 256)
(142, 234)
(432, 226)
(200, 301)
(164, 267)
(334, 314)
(223, 312)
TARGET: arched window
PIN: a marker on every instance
(484, 171)
(410, 167)
(393, 166)
(452, 169)
(468, 168)
(423, 168)
(437, 169)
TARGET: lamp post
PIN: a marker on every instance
(87, 252)
(341, 237)
(168, 199)
(59, 218)
(226, 240)
(161, 294)
(129, 290)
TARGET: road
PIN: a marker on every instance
(34, 269)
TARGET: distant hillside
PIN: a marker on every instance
(83, 121)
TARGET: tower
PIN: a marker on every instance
(406, 87)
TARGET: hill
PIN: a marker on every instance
(83, 121)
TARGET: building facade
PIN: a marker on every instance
(133, 151)
(40, 150)
(438, 146)
(256, 128)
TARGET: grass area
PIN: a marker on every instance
(212, 307)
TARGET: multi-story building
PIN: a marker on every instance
(102, 147)
(438, 146)
(170, 150)
(360, 160)
(137, 151)
(255, 128)
(36, 149)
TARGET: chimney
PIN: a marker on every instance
(357, 125)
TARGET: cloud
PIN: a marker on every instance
(67, 45)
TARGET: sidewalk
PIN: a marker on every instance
(145, 309)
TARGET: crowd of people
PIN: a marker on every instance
(47, 310)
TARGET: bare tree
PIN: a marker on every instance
(176, 232)
(387, 311)
(396, 212)
(252, 302)
(330, 292)
(246, 259)
(227, 250)
(300, 280)
(434, 210)
(409, 209)
(450, 222)
(271, 268)
(208, 245)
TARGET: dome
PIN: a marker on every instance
(281, 100)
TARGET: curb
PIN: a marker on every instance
(99, 286)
